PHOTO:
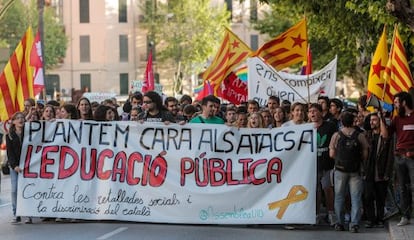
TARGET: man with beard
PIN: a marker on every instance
(154, 110)
(171, 103)
(134, 101)
(403, 126)
(208, 114)
(325, 164)
(377, 171)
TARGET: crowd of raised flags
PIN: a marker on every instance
(389, 74)
(289, 48)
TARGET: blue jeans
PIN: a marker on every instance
(404, 168)
(342, 182)
(13, 177)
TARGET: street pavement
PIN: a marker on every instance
(130, 230)
(400, 233)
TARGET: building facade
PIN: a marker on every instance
(107, 48)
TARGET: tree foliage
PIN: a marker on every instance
(347, 28)
(20, 16)
(185, 32)
(13, 25)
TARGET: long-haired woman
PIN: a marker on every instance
(255, 120)
(14, 141)
(49, 113)
(69, 111)
(84, 109)
(279, 116)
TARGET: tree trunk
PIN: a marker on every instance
(403, 11)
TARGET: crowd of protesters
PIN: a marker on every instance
(381, 137)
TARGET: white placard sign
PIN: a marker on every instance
(137, 86)
(265, 81)
(193, 173)
(98, 96)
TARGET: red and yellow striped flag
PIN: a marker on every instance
(231, 53)
(397, 73)
(376, 73)
(286, 49)
(16, 81)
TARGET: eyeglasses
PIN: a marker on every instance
(147, 102)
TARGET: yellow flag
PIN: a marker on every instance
(286, 49)
(397, 74)
(378, 64)
(231, 53)
(16, 81)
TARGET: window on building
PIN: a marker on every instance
(122, 11)
(123, 48)
(85, 82)
(84, 47)
(84, 11)
(52, 82)
(254, 42)
(123, 84)
(253, 10)
(229, 4)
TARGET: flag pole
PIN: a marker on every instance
(307, 63)
(41, 7)
(386, 80)
(307, 73)
(307, 84)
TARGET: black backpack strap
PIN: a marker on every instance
(355, 134)
(341, 134)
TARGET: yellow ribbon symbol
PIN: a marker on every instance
(292, 197)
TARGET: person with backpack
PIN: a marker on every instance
(349, 148)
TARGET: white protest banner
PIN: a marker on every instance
(193, 173)
(136, 85)
(98, 96)
(265, 81)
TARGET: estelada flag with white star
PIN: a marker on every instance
(286, 49)
(231, 53)
(376, 72)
